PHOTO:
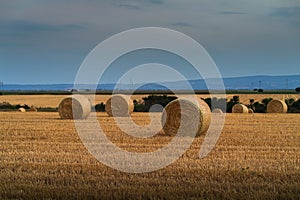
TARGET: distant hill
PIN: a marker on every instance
(236, 83)
(264, 82)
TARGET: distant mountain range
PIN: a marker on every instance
(236, 83)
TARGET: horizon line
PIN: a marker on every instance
(141, 82)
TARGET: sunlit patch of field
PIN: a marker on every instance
(257, 156)
(52, 100)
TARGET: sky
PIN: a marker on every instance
(45, 41)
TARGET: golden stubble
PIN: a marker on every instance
(256, 156)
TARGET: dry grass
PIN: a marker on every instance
(41, 156)
(51, 100)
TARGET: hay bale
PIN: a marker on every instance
(74, 107)
(32, 109)
(22, 110)
(250, 110)
(217, 110)
(188, 112)
(119, 106)
(277, 106)
(239, 108)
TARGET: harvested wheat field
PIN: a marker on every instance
(256, 157)
(54, 100)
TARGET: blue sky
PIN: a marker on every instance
(45, 41)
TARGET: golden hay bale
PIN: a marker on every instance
(21, 110)
(239, 108)
(250, 110)
(74, 107)
(217, 110)
(188, 112)
(277, 106)
(119, 106)
(32, 109)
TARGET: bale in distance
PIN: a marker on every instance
(119, 105)
(22, 110)
(239, 108)
(74, 107)
(32, 109)
(217, 111)
(250, 110)
(188, 112)
(277, 106)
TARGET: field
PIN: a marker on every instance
(257, 157)
(54, 100)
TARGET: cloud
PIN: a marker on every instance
(137, 4)
(131, 7)
(155, 1)
(231, 13)
(26, 26)
(286, 12)
(182, 24)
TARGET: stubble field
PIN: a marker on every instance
(257, 156)
(54, 100)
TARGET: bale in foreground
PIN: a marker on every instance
(277, 106)
(74, 107)
(194, 118)
(119, 106)
(240, 108)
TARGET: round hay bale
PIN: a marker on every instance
(74, 107)
(217, 110)
(239, 108)
(119, 106)
(277, 106)
(21, 110)
(250, 110)
(188, 112)
(32, 109)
